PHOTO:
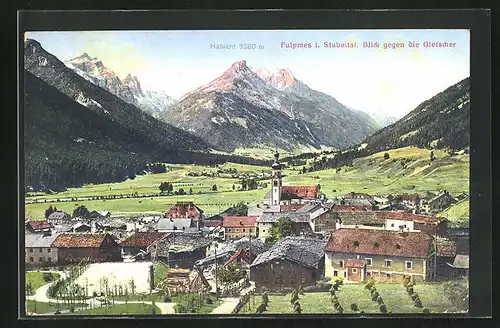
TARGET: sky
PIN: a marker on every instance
(390, 81)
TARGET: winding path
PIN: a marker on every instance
(41, 296)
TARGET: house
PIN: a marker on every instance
(411, 201)
(95, 215)
(387, 255)
(181, 250)
(81, 227)
(437, 203)
(171, 225)
(142, 242)
(74, 248)
(186, 210)
(301, 221)
(39, 226)
(355, 195)
(290, 262)
(58, 218)
(460, 266)
(446, 253)
(285, 195)
(245, 251)
(359, 219)
(39, 250)
(239, 226)
(409, 222)
(291, 207)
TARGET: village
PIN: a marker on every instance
(296, 239)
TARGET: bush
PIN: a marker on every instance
(167, 299)
(380, 300)
(354, 307)
(179, 308)
(57, 312)
(426, 311)
(412, 280)
(300, 290)
(373, 289)
(383, 308)
(48, 277)
(410, 290)
(209, 301)
(375, 296)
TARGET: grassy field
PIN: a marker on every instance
(119, 309)
(458, 213)
(193, 301)
(45, 307)
(372, 174)
(36, 280)
(394, 295)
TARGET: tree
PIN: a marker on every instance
(386, 156)
(241, 209)
(214, 187)
(49, 211)
(81, 212)
(190, 191)
(181, 191)
(283, 227)
(233, 187)
(432, 156)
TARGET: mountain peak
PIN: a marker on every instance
(280, 79)
(239, 66)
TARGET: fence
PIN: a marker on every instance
(244, 298)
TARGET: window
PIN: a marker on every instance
(31, 259)
(264, 278)
(31, 250)
(368, 261)
(275, 183)
(304, 278)
(48, 250)
(409, 265)
(279, 279)
(354, 270)
(40, 259)
(357, 257)
(293, 279)
(345, 274)
(388, 263)
(388, 275)
(335, 273)
(341, 263)
(40, 250)
(49, 259)
(392, 225)
(243, 230)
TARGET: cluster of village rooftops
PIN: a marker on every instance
(355, 237)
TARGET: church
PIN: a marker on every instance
(286, 195)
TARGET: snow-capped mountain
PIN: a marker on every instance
(383, 119)
(246, 108)
(129, 89)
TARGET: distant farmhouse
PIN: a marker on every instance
(74, 248)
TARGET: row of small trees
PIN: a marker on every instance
(333, 297)
(263, 304)
(370, 285)
(294, 299)
(409, 283)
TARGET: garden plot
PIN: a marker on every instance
(117, 273)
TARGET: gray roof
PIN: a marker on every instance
(169, 224)
(256, 211)
(187, 240)
(39, 240)
(273, 217)
(309, 207)
(357, 201)
(58, 216)
(461, 261)
(301, 250)
(360, 218)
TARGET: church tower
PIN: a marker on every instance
(276, 180)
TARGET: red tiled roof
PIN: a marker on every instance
(351, 263)
(379, 242)
(212, 223)
(144, 239)
(411, 197)
(79, 240)
(307, 192)
(233, 257)
(40, 225)
(408, 217)
(184, 210)
(290, 207)
(357, 195)
(239, 221)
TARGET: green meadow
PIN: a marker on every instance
(407, 170)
